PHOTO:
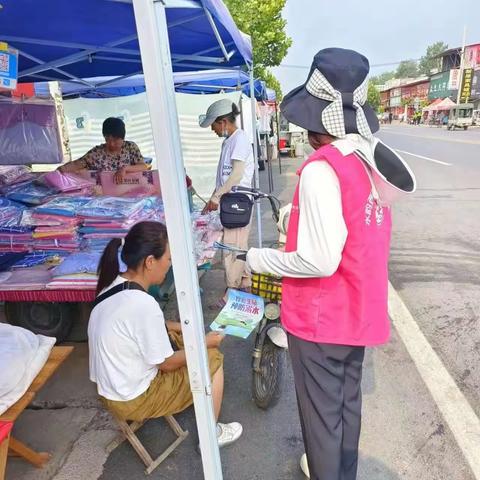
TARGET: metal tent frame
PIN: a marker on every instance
(125, 55)
(196, 82)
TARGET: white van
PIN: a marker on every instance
(460, 116)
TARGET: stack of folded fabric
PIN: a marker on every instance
(30, 192)
(15, 239)
(77, 271)
(56, 226)
(105, 218)
(95, 244)
(10, 212)
(13, 174)
(68, 183)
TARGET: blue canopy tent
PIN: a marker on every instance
(199, 82)
(60, 40)
(99, 37)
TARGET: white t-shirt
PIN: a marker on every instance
(127, 339)
(236, 147)
(322, 232)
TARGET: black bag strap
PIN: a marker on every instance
(120, 288)
(117, 289)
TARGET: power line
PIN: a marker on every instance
(376, 65)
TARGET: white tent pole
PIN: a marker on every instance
(155, 50)
(253, 104)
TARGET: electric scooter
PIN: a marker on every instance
(271, 344)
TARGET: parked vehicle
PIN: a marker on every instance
(476, 117)
(269, 352)
(460, 116)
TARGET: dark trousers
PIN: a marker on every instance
(328, 385)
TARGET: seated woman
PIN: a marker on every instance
(136, 359)
(116, 154)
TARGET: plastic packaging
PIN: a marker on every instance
(83, 262)
(13, 174)
(63, 206)
(28, 133)
(66, 182)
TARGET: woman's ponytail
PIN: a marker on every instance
(108, 268)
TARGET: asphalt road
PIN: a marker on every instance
(436, 246)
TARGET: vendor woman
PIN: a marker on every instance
(236, 167)
(115, 155)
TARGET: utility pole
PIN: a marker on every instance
(462, 64)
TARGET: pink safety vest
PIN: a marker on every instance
(349, 307)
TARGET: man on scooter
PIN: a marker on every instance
(335, 264)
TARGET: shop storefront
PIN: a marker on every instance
(440, 86)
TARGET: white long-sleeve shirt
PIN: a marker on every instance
(321, 231)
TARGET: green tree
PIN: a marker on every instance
(373, 96)
(407, 69)
(429, 61)
(262, 20)
(382, 78)
(271, 81)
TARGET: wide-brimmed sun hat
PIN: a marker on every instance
(333, 100)
(390, 174)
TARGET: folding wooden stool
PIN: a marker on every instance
(128, 433)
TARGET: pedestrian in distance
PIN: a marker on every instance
(335, 263)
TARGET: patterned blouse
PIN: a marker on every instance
(99, 158)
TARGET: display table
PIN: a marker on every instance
(57, 356)
(68, 296)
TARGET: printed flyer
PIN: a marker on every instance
(241, 314)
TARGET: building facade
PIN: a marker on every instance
(405, 94)
(410, 95)
(470, 81)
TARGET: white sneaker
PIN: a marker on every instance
(228, 433)
(304, 465)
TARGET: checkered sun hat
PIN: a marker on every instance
(333, 100)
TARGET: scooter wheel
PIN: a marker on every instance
(267, 383)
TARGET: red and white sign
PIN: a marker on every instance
(454, 81)
(132, 185)
(472, 56)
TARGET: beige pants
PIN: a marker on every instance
(235, 275)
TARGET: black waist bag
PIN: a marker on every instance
(235, 210)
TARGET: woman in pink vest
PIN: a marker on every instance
(335, 264)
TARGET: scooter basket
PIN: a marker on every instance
(268, 287)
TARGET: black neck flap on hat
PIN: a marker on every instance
(392, 168)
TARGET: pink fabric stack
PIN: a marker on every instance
(68, 183)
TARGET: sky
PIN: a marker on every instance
(383, 30)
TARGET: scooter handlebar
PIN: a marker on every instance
(250, 191)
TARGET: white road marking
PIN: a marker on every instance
(422, 253)
(457, 412)
(393, 131)
(424, 158)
